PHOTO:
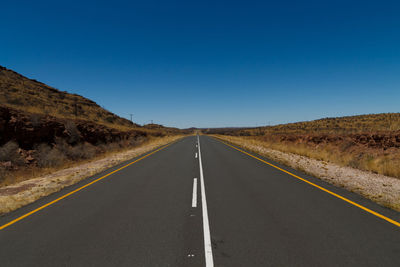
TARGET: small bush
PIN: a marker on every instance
(9, 152)
(49, 157)
(110, 147)
(136, 141)
(81, 151)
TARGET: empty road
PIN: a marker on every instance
(200, 202)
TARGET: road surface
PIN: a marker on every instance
(201, 204)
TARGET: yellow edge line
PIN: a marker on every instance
(319, 187)
(79, 189)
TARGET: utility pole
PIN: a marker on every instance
(131, 117)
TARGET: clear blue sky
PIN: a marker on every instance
(212, 63)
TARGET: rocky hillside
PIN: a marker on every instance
(31, 129)
(21, 93)
(371, 123)
(42, 128)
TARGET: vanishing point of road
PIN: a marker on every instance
(201, 202)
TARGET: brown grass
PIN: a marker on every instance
(34, 105)
(19, 92)
(340, 125)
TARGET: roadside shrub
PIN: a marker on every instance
(62, 145)
(110, 147)
(9, 152)
(136, 141)
(354, 163)
(49, 157)
(81, 151)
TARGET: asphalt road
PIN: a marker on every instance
(238, 212)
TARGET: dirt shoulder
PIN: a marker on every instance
(17, 195)
(381, 189)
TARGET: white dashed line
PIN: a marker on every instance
(194, 199)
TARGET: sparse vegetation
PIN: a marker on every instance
(29, 95)
(372, 123)
(43, 129)
(77, 152)
(366, 142)
(47, 156)
(9, 153)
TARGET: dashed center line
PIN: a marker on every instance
(194, 199)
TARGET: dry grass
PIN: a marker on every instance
(19, 92)
(340, 125)
(52, 180)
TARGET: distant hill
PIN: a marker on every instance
(350, 124)
(384, 122)
(22, 93)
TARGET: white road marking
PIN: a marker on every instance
(194, 199)
(196, 155)
(206, 226)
